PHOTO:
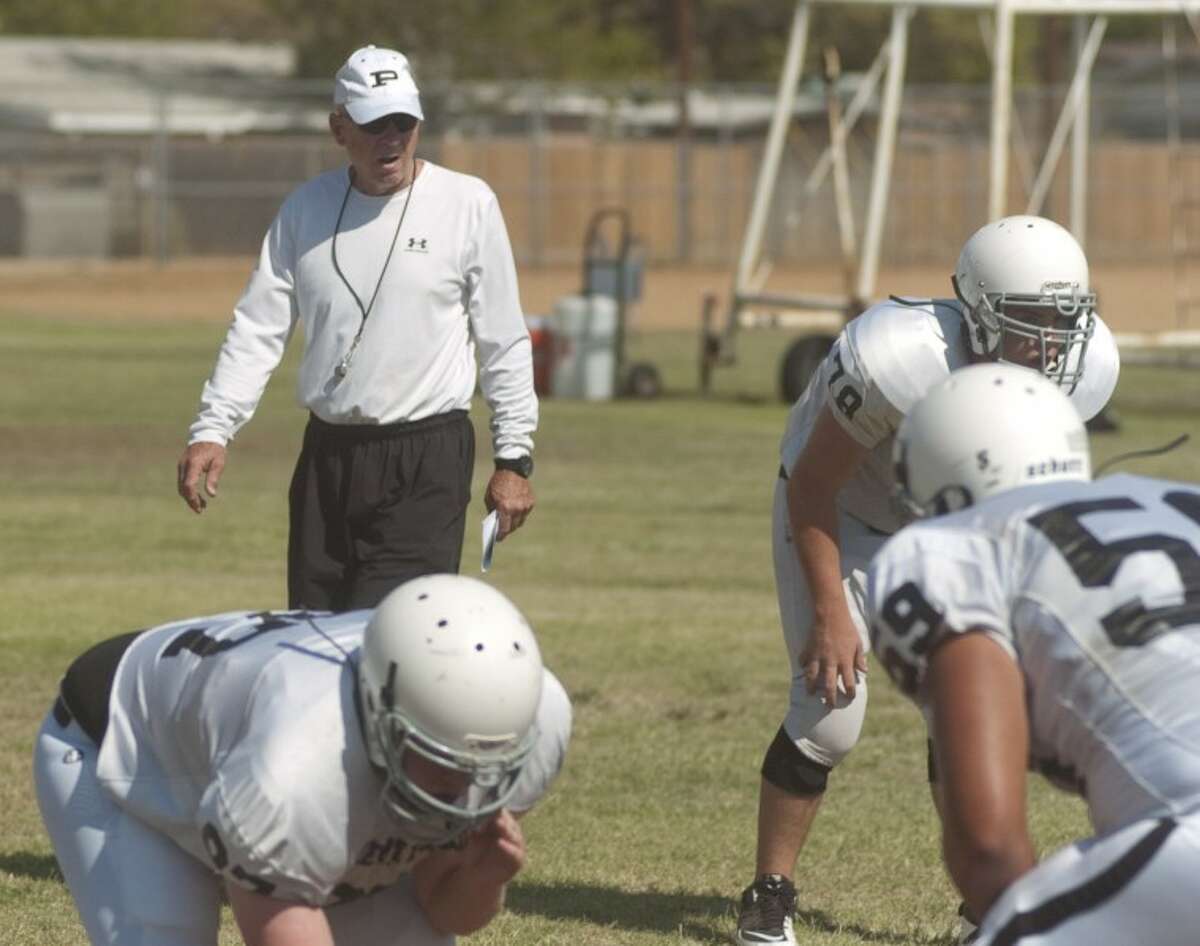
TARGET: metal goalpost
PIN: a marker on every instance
(821, 312)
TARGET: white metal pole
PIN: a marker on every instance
(768, 170)
(539, 197)
(858, 102)
(885, 149)
(1070, 116)
(1022, 150)
(1001, 110)
(1080, 136)
(162, 178)
(842, 201)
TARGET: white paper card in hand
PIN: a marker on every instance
(491, 525)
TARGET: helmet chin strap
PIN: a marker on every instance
(977, 333)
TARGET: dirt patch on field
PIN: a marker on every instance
(1139, 298)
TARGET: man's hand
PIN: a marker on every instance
(462, 889)
(201, 459)
(511, 495)
(496, 852)
(834, 652)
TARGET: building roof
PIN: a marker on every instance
(129, 86)
(217, 88)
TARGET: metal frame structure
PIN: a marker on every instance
(822, 311)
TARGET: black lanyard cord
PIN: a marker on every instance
(344, 364)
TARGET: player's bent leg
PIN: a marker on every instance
(795, 773)
(1136, 885)
(793, 785)
(790, 795)
(391, 917)
(130, 884)
(822, 735)
(812, 740)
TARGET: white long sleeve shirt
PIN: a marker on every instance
(449, 288)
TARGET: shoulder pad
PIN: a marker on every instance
(1101, 368)
(906, 346)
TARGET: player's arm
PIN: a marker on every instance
(266, 921)
(827, 461)
(981, 749)
(462, 890)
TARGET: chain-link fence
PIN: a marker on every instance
(201, 170)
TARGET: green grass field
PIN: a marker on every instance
(645, 570)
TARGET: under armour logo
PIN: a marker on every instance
(416, 245)
(383, 76)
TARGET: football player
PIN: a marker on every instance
(1023, 297)
(1041, 618)
(352, 778)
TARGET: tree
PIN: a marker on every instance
(137, 18)
(468, 39)
(554, 40)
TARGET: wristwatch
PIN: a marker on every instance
(522, 466)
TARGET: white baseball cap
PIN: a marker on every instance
(376, 82)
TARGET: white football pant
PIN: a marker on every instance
(135, 887)
(823, 734)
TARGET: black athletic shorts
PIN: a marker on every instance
(373, 506)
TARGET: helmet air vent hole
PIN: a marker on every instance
(423, 595)
(478, 647)
(443, 622)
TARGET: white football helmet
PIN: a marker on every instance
(449, 670)
(1025, 279)
(985, 429)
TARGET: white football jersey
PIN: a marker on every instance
(239, 737)
(881, 364)
(1094, 589)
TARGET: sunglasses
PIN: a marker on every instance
(404, 124)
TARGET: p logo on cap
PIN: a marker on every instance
(375, 82)
(384, 76)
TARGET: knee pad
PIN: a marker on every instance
(789, 769)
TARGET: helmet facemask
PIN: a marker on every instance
(489, 778)
(1048, 333)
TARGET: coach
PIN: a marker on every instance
(398, 270)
